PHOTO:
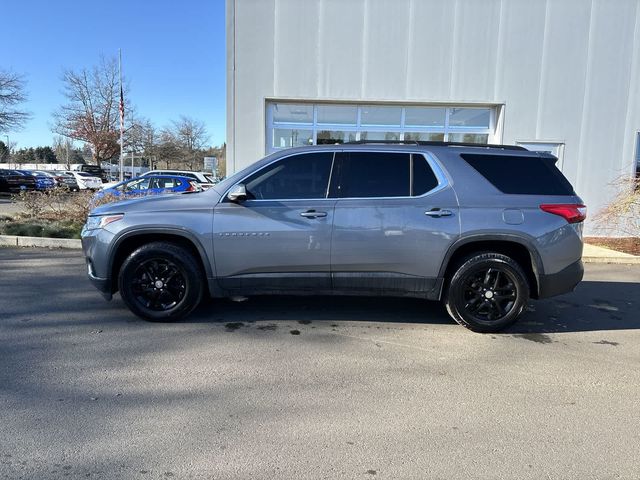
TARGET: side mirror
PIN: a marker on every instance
(238, 193)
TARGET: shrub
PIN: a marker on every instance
(622, 215)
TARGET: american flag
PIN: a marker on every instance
(121, 107)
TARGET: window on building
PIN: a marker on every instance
(292, 124)
(554, 148)
(291, 137)
(298, 176)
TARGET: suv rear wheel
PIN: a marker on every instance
(487, 292)
(161, 282)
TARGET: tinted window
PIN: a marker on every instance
(423, 177)
(298, 176)
(521, 175)
(375, 174)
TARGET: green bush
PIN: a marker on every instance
(37, 228)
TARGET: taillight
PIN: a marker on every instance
(571, 212)
(192, 188)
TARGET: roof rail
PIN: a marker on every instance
(434, 144)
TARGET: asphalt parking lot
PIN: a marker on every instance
(313, 388)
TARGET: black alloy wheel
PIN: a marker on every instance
(158, 284)
(487, 292)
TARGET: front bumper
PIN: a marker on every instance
(95, 245)
(564, 281)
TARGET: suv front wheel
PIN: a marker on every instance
(487, 292)
(161, 282)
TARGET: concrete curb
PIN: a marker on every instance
(17, 241)
(617, 260)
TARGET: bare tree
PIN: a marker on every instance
(63, 146)
(12, 94)
(91, 113)
(189, 137)
(622, 214)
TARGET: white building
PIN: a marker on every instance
(558, 75)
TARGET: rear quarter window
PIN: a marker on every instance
(524, 175)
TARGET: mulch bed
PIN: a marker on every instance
(623, 244)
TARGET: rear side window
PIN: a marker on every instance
(521, 175)
(385, 174)
(375, 174)
(299, 176)
(424, 179)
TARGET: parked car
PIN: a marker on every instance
(94, 170)
(206, 180)
(481, 228)
(85, 181)
(62, 180)
(12, 181)
(43, 182)
(151, 185)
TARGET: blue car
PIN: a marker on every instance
(43, 182)
(151, 185)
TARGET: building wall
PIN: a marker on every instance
(565, 71)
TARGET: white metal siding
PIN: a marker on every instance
(565, 70)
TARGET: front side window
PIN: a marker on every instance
(296, 177)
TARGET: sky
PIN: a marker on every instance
(173, 56)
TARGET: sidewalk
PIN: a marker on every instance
(593, 254)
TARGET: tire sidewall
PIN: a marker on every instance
(188, 268)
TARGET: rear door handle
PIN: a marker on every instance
(313, 214)
(437, 213)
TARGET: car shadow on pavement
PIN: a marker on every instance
(594, 306)
(309, 309)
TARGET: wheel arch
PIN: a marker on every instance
(132, 239)
(518, 248)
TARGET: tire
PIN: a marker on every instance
(487, 292)
(161, 282)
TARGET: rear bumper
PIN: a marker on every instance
(561, 282)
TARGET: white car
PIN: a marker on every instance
(206, 180)
(86, 181)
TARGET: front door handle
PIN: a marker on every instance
(437, 213)
(313, 214)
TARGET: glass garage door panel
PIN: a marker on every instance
(425, 117)
(298, 124)
(292, 113)
(337, 114)
(470, 117)
(330, 137)
(291, 137)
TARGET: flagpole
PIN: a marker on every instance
(121, 114)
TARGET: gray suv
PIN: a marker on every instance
(482, 228)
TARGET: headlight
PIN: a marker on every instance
(101, 221)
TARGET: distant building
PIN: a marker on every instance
(556, 75)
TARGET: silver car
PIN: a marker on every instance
(481, 228)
